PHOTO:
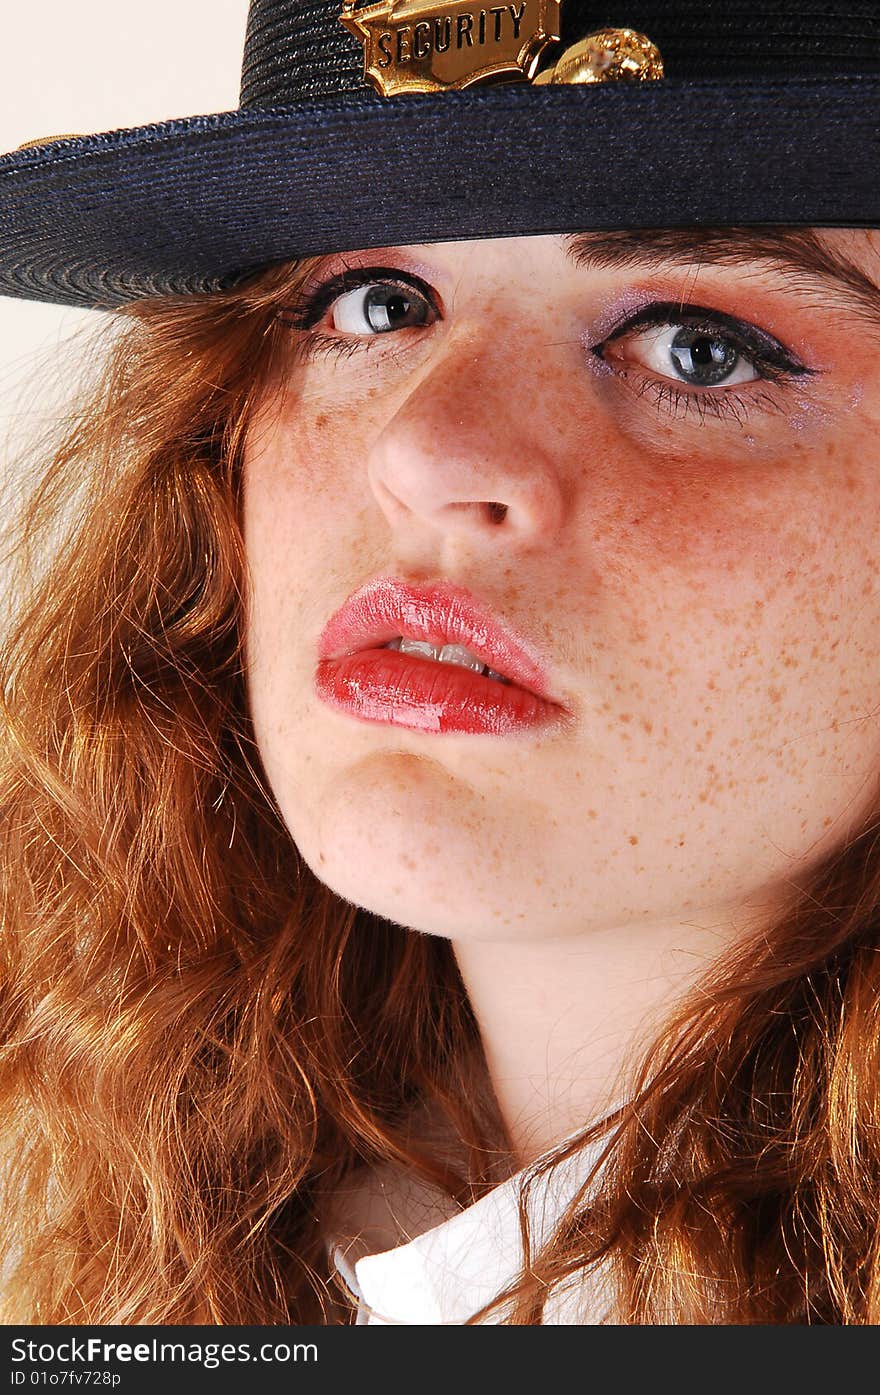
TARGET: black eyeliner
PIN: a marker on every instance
(306, 312)
(748, 338)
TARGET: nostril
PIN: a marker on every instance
(497, 512)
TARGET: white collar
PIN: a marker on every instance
(447, 1272)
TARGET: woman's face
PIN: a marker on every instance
(679, 439)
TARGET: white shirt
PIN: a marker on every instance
(452, 1260)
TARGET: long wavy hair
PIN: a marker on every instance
(200, 1043)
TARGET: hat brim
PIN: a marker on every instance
(189, 205)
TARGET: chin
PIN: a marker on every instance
(372, 872)
(406, 839)
(370, 868)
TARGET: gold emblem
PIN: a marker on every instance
(416, 46)
(609, 55)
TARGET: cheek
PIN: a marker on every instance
(303, 497)
(305, 540)
(736, 612)
(728, 521)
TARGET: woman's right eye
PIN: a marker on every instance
(362, 303)
(378, 308)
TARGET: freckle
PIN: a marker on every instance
(625, 717)
(774, 694)
(633, 839)
(711, 683)
(826, 822)
(648, 725)
(704, 795)
(320, 421)
(592, 813)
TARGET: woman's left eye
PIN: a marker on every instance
(699, 357)
(696, 347)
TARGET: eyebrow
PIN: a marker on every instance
(797, 253)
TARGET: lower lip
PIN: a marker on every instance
(383, 685)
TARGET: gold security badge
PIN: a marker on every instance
(414, 46)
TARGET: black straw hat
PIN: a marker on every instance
(432, 120)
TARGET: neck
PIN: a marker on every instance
(565, 1023)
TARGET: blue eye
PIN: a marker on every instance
(691, 354)
(377, 308)
(365, 301)
(698, 347)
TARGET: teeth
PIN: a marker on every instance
(445, 654)
(418, 646)
(457, 654)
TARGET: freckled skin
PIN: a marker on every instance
(707, 599)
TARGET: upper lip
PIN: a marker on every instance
(439, 613)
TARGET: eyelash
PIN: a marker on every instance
(772, 362)
(315, 297)
(733, 406)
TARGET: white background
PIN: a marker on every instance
(78, 66)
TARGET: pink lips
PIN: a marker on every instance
(355, 674)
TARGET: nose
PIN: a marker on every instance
(469, 450)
